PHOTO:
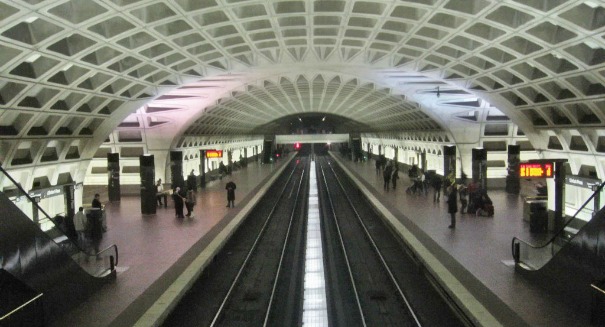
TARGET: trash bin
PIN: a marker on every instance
(538, 221)
(533, 204)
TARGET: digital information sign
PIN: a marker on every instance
(214, 154)
(536, 169)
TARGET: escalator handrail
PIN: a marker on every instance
(25, 192)
(48, 216)
(107, 249)
(560, 231)
(22, 306)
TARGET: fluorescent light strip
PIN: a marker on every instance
(315, 306)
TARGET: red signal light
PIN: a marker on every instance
(297, 146)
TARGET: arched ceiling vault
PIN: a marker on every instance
(71, 70)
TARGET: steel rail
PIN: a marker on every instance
(342, 246)
(250, 252)
(377, 250)
(284, 246)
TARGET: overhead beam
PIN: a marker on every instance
(311, 138)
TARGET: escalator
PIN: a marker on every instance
(38, 253)
(569, 266)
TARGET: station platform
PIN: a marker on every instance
(155, 250)
(477, 252)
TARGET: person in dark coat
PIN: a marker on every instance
(96, 202)
(395, 175)
(178, 202)
(437, 182)
(230, 187)
(95, 229)
(190, 203)
(452, 204)
(388, 170)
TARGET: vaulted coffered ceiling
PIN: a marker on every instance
(72, 70)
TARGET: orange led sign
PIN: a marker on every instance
(536, 169)
(214, 154)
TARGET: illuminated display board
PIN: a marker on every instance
(214, 154)
(536, 169)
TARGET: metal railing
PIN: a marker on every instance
(532, 256)
(96, 264)
(19, 309)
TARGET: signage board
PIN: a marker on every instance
(536, 169)
(214, 154)
(581, 181)
(47, 192)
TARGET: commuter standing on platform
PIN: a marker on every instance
(178, 202)
(395, 175)
(388, 170)
(96, 202)
(230, 187)
(463, 194)
(80, 226)
(437, 181)
(95, 227)
(452, 204)
(160, 193)
(190, 203)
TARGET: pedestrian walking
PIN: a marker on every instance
(388, 170)
(452, 204)
(437, 182)
(178, 199)
(190, 203)
(395, 175)
(159, 188)
(80, 226)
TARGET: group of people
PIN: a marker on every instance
(89, 227)
(472, 199)
(187, 200)
(183, 200)
(390, 175)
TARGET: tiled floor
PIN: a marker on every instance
(154, 249)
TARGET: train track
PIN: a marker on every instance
(247, 283)
(257, 278)
(372, 279)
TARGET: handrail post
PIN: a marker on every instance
(111, 263)
(516, 251)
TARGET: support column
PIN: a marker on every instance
(479, 166)
(355, 141)
(268, 149)
(449, 160)
(203, 168)
(230, 160)
(513, 184)
(176, 169)
(68, 195)
(423, 164)
(148, 190)
(113, 177)
(559, 180)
